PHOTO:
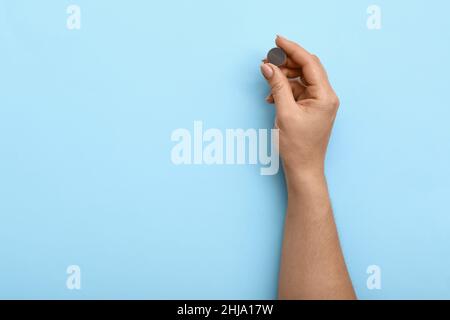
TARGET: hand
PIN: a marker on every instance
(306, 107)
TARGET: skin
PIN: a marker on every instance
(312, 263)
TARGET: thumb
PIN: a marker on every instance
(281, 89)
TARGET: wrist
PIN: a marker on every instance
(299, 180)
(308, 190)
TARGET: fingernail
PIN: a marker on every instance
(267, 71)
(281, 37)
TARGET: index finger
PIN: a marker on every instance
(298, 57)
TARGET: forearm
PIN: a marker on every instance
(312, 264)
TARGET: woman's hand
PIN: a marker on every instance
(306, 106)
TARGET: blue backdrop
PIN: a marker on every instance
(86, 116)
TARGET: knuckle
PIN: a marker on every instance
(334, 101)
(277, 86)
(315, 58)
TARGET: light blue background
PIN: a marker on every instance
(85, 123)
